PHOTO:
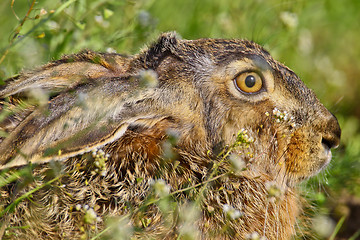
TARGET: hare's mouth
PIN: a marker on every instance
(324, 158)
(327, 153)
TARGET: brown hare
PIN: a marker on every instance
(211, 123)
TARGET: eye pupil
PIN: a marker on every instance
(250, 81)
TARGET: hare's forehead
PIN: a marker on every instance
(248, 62)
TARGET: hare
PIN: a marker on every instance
(211, 123)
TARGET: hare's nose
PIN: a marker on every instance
(332, 132)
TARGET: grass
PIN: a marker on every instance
(318, 39)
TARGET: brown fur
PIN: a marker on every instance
(174, 129)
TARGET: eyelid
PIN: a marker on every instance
(255, 70)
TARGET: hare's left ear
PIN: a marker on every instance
(166, 45)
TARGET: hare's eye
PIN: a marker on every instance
(248, 82)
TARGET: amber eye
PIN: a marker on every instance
(249, 82)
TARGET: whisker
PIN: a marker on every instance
(276, 163)
(277, 220)
(266, 216)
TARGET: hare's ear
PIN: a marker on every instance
(68, 72)
(88, 117)
(96, 99)
(168, 44)
(188, 52)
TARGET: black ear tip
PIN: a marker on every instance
(166, 44)
(169, 38)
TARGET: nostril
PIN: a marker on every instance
(331, 132)
(330, 142)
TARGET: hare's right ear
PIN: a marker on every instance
(68, 72)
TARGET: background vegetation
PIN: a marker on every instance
(319, 40)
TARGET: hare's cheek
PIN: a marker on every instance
(306, 155)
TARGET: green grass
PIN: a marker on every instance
(319, 40)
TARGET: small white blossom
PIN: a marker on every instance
(283, 117)
(94, 152)
(120, 229)
(231, 212)
(289, 19)
(237, 163)
(100, 20)
(149, 79)
(110, 50)
(42, 12)
(53, 25)
(323, 226)
(90, 216)
(243, 138)
(255, 236)
(188, 214)
(100, 158)
(274, 191)
(161, 188)
(305, 42)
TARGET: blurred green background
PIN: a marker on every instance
(319, 40)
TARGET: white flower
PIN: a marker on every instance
(290, 19)
(237, 163)
(274, 191)
(254, 236)
(161, 188)
(149, 78)
(323, 225)
(90, 216)
(231, 212)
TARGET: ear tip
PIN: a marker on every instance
(169, 38)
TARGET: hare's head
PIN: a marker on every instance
(221, 86)
(206, 91)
